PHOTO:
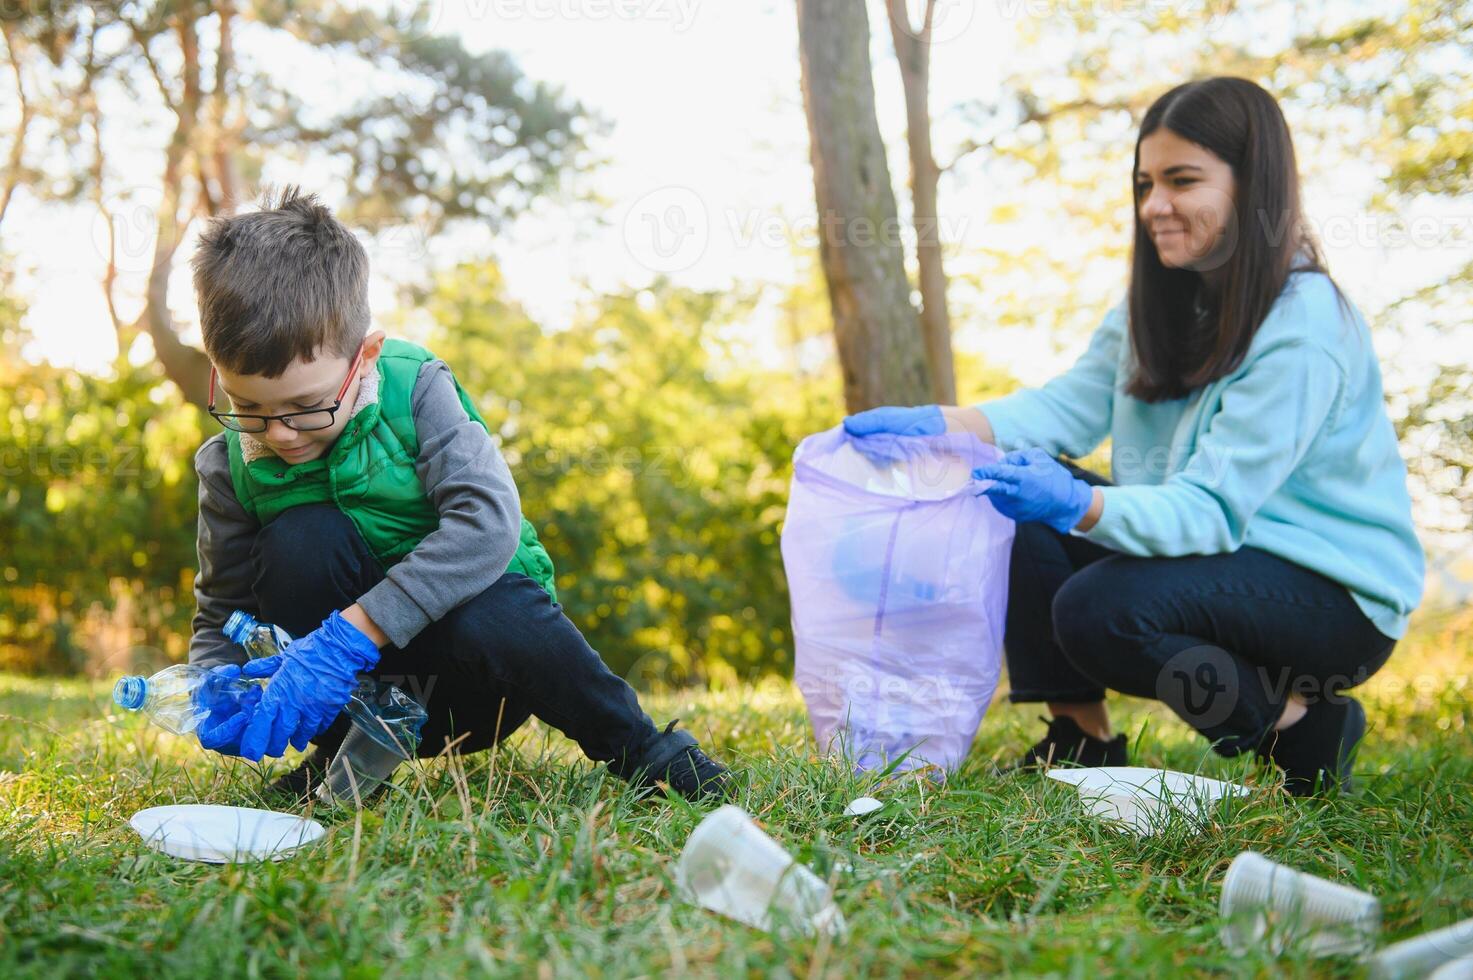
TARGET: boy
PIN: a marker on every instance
(356, 486)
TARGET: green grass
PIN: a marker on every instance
(531, 860)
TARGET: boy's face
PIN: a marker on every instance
(304, 385)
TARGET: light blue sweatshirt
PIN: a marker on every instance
(1292, 453)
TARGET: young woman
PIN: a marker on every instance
(1254, 556)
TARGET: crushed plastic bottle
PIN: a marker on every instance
(385, 732)
(173, 698)
(262, 640)
(385, 719)
(259, 639)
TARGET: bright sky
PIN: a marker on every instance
(707, 176)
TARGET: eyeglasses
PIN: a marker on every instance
(307, 421)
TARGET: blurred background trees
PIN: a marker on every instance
(439, 135)
(1385, 92)
(653, 461)
(97, 504)
(651, 435)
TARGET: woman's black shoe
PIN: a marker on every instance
(1317, 751)
(1068, 744)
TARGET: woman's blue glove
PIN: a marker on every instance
(1030, 485)
(311, 680)
(924, 420)
(228, 709)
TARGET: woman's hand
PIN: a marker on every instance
(965, 418)
(923, 420)
(1030, 485)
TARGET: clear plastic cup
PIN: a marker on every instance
(367, 758)
(1417, 956)
(730, 866)
(1266, 902)
(385, 732)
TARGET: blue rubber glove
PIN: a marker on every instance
(924, 420)
(228, 709)
(311, 680)
(1030, 485)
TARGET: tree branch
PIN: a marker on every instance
(227, 179)
(17, 148)
(88, 99)
(187, 367)
(913, 55)
(1033, 112)
(153, 66)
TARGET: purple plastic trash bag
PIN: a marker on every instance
(898, 573)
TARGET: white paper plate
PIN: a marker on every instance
(1141, 800)
(223, 834)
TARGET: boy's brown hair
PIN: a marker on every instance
(284, 282)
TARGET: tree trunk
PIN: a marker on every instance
(186, 366)
(221, 189)
(16, 159)
(880, 347)
(913, 54)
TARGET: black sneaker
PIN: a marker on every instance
(675, 758)
(301, 783)
(1317, 751)
(1067, 744)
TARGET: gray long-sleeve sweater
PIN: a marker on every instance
(464, 476)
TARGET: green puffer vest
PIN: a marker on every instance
(369, 475)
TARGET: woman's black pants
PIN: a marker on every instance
(1223, 639)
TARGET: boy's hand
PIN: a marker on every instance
(221, 729)
(355, 615)
(311, 680)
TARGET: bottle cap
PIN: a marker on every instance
(239, 626)
(130, 691)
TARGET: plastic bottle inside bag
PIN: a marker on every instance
(898, 573)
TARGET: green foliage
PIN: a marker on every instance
(1383, 86)
(651, 443)
(97, 510)
(470, 136)
(426, 131)
(654, 463)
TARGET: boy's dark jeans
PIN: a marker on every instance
(1221, 639)
(500, 657)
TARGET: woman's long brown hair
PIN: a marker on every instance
(1176, 350)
